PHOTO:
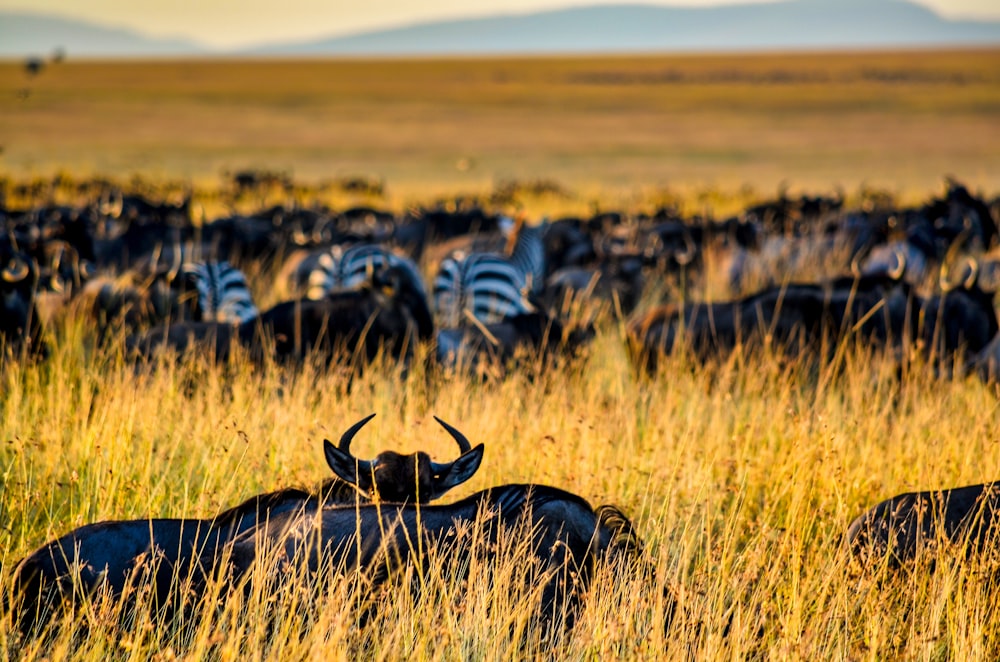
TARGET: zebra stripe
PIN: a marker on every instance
(223, 293)
(528, 254)
(342, 269)
(492, 286)
(486, 285)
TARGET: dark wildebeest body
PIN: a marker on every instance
(388, 313)
(986, 363)
(960, 320)
(556, 535)
(108, 556)
(490, 348)
(20, 327)
(902, 527)
(791, 318)
(618, 280)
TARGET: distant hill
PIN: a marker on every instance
(786, 24)
(27, 34)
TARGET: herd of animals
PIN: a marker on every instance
(917, 283)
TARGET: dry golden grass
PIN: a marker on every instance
(608, 129)
(741, 479)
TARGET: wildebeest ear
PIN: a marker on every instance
(458, 471)
(344, 465)
(390, 282)
(16, 270)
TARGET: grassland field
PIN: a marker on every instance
(741, 477)
(605, 128)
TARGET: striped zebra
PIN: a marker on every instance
(223, 293)
(338, 268)
(489, 286)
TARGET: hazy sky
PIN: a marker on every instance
(230, 23)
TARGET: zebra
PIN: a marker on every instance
(337, 268)
(490, 286)
(223, 293)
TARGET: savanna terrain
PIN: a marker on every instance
(598, 126)
(740, 477)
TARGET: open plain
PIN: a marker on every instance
(741, 476)
(599, 126)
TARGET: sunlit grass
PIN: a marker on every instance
(740, 477)
(604, 128)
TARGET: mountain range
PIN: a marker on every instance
(784, 24)
(27, 34)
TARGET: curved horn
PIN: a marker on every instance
(690, 250)
(463, 443)
(897, 272)
(856, 266)
(973, 276)
(945, 280)
(57, 260)
(111, 205)
(946, 286)
(175, 268)
(348, 436)
(16, 270)
(56, 283)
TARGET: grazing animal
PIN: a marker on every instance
(901, 528)
(489, 349)
(617, 280)
(491, 286)
(20, 326)
(562, 535)
(337, 268)
(962, 319)
(223, 293)
(911, 258)
(568, 245)
(196, 292)
(790, 318)
(388, 311)
(986, 363)
(110, 556)
(399, 478)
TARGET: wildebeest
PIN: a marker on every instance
(617, 280)
(555, 536)
(790, 318)
(962, 319)
(386, 312)
(402, 478)
(986, 363)
(337, 267)
(20, 327)
(110, 556)
(910, 257)
(489, 349)
(901, 528)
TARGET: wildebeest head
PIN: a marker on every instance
(393, 477)
(19, 323)
(16, 272)
(398, 294)
(962, 317)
